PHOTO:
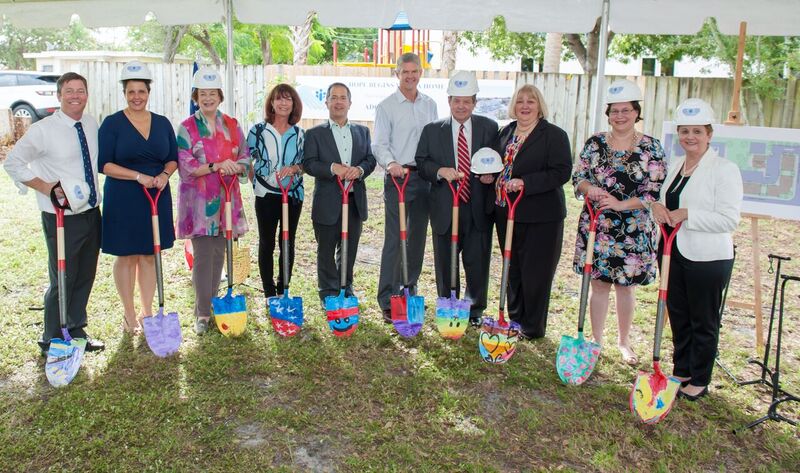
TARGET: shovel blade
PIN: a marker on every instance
(342, 312)
(653, 395)
(163, 333)
(64, 360)
(497, 342)
(576, 359)
(230, 314)
(408, 314)
(286, 314)
(452, 316)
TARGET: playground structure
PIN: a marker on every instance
(393, 42)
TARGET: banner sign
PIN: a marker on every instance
(769, 159)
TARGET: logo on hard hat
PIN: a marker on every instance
(487, 160)
(690, 112)
(460, 83)
(78, 192)
(134, 68)
(615, 90)
(209, 77)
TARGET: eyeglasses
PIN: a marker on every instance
(624, 111)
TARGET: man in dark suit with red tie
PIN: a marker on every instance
(444, 155)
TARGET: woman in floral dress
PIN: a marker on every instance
(621, 171)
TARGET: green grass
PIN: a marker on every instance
(374, 402)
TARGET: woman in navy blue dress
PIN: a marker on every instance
(137, 152)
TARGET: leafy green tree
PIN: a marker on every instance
(503, 44)
(14, 42)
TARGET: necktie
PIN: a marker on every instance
(463, 162)
(87, 164)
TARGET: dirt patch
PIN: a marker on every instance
(250, 436)
(315, 456)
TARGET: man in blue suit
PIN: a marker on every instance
(337, 148)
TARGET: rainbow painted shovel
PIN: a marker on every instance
(498, 338)
(576, 357)
(162, 332)
(452, 314)
(230, 312)
(408, 312)
(285, 312)
(65, 354)
(654, 394)
(342, 310)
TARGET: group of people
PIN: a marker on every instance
(622, 172)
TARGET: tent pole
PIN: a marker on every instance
(734, 115)
(600, 75)
(231, 60)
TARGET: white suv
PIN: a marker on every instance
(29, 94)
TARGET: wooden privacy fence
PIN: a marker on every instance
(569, 97)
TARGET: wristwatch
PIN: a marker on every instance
(211, 167)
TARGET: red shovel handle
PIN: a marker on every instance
(594, 214)
(665, 259)
(153, 200)
(284, 189)
(456, 193)
(401, 188)
(345, 189)
(512, 206)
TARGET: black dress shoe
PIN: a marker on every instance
(475, 321)
(387, 316)
(696, 397)
(94, 345)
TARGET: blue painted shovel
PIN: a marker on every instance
(342, 310)
(452, 314)
(408, 312)
(285, 312)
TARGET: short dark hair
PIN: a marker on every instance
(349, 98)
(68, 76)
(195, 95)
(145, 81)
(634, 105)
(279, 91)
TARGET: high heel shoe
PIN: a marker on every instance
(694, 398)
(130, 329)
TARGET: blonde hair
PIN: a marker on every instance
(534, 92)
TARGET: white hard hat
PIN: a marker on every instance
(623, 90)
(77, 193)
(135, 70)
(463, 84)
(486, 161)
(207, 78)
(694, 112)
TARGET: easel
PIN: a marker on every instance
(735, 118)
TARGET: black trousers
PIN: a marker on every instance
(329, 257)
(82, 246)
(268, 215)
(474, 247)
(535, 251)
(694, 298)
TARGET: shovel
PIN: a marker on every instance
(498, 338)
(408, 312)
(230, 312)
(162, 332)
(286, 313)
(65, 354)
(342, 310)
(576, 357)
(652, 395)
(452, 314)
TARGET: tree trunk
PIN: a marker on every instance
(301, 40)
(449, 47)
(205, 40)
(172, 39)
(266, 47)
(587, 55)
(552, 52)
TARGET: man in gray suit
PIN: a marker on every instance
(444, 155)
(334, 149)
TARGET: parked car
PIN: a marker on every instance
(29, 94)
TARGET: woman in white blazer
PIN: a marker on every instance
(704, 192)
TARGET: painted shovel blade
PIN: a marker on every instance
(452, 316)
(163, 333)
(342, 312)
(408, 314)
(497, 342)
(64, 360)
(576, 359)
(653, 395)
(286, 314)
(230, 314)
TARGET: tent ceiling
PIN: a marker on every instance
(764, 17)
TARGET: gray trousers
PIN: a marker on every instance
(417, 214)
(82, 246)
(209, 257)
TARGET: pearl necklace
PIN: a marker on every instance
(685, 171)
(634, 140)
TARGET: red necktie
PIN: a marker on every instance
(463, 162)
